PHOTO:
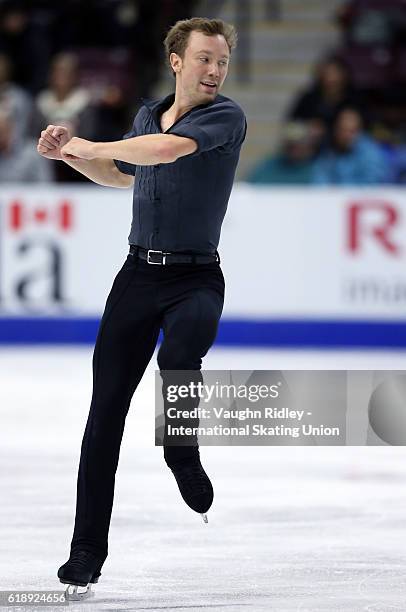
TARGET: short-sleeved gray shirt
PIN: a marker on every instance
(180, 206)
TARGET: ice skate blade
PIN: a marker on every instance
(204, 517)
(72, 593)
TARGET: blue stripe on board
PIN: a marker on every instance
(232, 332)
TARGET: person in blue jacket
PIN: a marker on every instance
(352, 157)
(292, 164)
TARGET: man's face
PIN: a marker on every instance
(202, 71)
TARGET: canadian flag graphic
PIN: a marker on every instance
(21, 216)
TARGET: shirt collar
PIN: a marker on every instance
(154, 104)
(157, 107)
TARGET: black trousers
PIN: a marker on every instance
(183, 300)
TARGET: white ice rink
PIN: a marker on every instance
(291, 529)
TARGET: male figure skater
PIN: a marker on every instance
(181, 156)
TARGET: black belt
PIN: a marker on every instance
(163, 258)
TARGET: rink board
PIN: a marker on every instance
(303, 267)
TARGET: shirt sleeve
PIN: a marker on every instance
(216, 127)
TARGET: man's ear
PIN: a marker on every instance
(176, 62)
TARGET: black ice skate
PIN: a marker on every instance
(81, 570)
(194, 485)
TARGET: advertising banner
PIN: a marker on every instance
(302, 266)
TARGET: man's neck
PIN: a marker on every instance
(179, 108)
(182, 104)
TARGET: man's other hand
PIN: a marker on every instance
(51, 141)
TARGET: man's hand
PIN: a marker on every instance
(78, 148)
(52, 140)
(56, 143)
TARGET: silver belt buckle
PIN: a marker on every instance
(156, 263)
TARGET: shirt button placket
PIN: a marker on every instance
(157, 206)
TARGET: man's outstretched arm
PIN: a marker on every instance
(142, 150)
(102, 171)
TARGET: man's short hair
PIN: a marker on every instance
(177, 38)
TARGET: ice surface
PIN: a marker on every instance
(291, 528)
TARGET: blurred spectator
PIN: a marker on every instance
(19, 160)
(65, 102)
(352, 158)
(323, 100)
(14, 100)
(294, 162)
